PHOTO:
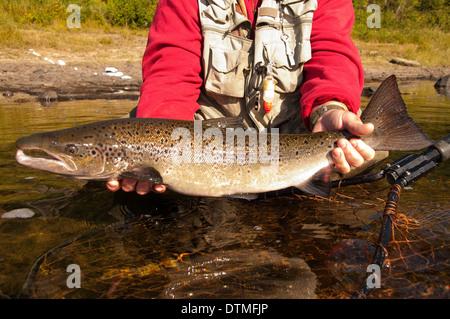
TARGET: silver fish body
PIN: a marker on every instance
(201, 159)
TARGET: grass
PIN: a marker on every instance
(411, 29)
(415, 30)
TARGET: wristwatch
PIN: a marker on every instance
(315, 116)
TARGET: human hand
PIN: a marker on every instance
(130, 185)
(351, 152)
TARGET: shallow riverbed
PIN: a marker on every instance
(171, 246)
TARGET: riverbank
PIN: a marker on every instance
(45, 75)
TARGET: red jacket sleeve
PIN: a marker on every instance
(171, 66)
(335, 71)
(172, 61)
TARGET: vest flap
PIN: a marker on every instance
(225, 60)
(223, 4)
(218, 10)
(299, 7)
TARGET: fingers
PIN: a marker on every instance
(159, 189)
(351, 153)
(340, 163)
(130, 185)
(113, 185)
(143, 188)
(352, 123)
(366, 152)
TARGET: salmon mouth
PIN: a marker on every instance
(45, 160)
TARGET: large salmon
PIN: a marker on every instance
(215, 157)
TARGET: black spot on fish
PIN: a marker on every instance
(138, 148)
(89, 136)
(100, 144)
(296, 153)
(94, 152)
(129, 133)
(147, 131)
(306, 142)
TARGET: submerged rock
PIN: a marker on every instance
(443, 85)
(48, 95)
(368, 91)
(19, 213)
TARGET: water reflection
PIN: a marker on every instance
(171, 246)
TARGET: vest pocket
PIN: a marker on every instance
(225, 74)
(287, 74)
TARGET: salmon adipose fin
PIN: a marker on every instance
(394, 129)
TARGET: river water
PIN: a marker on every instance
(172, 246)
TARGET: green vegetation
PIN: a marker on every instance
(412, 29)
(98, 13)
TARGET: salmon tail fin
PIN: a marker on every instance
(394, 129)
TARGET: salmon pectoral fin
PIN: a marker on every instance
(319, 183)
(147, 174)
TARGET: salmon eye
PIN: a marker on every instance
(71, 149)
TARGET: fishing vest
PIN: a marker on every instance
(234, 65)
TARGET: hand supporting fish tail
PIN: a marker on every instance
(353, 152)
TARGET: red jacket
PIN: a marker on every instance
(172, 64)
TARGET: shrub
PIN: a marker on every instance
(131, 13)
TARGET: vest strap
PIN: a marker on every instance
(268, 12)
